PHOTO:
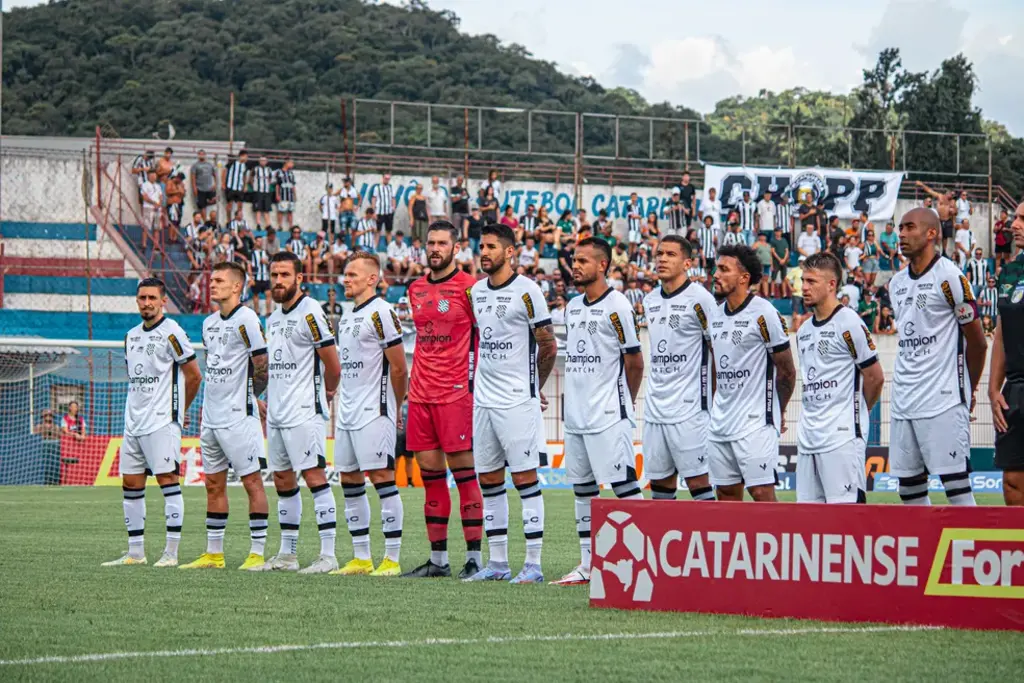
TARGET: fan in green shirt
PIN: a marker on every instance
(868, 310)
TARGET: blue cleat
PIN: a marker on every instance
(530, 573)
(490, 573)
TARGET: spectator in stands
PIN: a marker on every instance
(854, 230)
(403, 310)
(708, 238)
(261, 179)
(867, 309)
(885, 323)
(237, 224)
(258, 266)
(350, 199)
(212, 222)
(711, 207)
(270, 243)
(889, 247)
(329, 204)
(338, 256)
(780, 264)
(764, 220)
(165, 166)
(784, 219)
(143, 164)
(963, 208)
(676, 214)
(297, 246)
(747, 211)
(963, 243)
(398, 256)
(459, 196)
(620, 257)
(508, 219)
(566, 227)
(794, 278)
(193, 236)
(417, 258)
(977, 273)
(852, 292)
(865, 226)
(332, 309)
(528, 224)
(852, 255)
(383, 202)
(464, 257)
(494, 185)
(565, 257)
(603, 224)
(419, 214)
(651, 229)
(529, 256)
(869, 262)
(557, 310)
(687, 198)
(473, 227)
(808, 243)
(225, 250)
(541, 278)
(437, 202)
(245, 241)
(73, 424)
(488, 203)
(617, 279)
(195, 294)
(764, 255)
(320, 258)
(546, 230)
(175, 203)
(988, 298)
(366, 236)
(928, 205)
(152, 210)
(988, 324)
(50, 432)
(635, 295)
(1003, 235)
(284, 193)
(232, 181)
(203, 175)
(582, 222)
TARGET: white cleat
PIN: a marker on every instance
(281, 563)
(167, 560)
(322, 565)
(125, 560)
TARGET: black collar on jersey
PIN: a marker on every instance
(446, 278)
(677, 292)
(746, 302)
(504, 284)
(913, 276)
(155, 325)
(365, 303)
(286, 311)
(834, 313)
(233, 311)
(586, 302)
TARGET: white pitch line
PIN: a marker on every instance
(444, 642)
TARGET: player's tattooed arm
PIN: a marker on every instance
(259, 374)
(786, 378)
(547, 351)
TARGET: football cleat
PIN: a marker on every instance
(280, 563)
(531, 573)
(324, 564)
(470, 569)
(428, 570)
(355, 567)
(490, 573)
(387, 567)
(577, 577)
(206, 561)
(167, 560)
(253, 563)
(125, 560)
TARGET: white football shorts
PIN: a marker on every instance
(941, 443)
(606, 457)
(750, 460)
(298, 448)
(370, 447)
(836, 476)
(240, 446)
(676, 448)
(159, 451)
(506, 437)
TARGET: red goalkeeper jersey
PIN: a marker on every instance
(443, 362)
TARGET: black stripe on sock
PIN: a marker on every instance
(384, 484)
(289, 493)
(527, 496)
(473, 546)
(317, 489)
(950, 493)
(136, 532)
(667, 490)
(520, 487)
(492, 491)
(702, 491)
(164, 486)
(327, 525)
(385, 496)
(217, 515)
(915, 480)
(496, 532)
(439, 546)
(463, 469)
(472, 522)
(360, 532)
(530, 535)
(436, 520)
(914, 496)
(258, 515)
(285, 526)
(174, 529)
(431, 475)
(393, 534)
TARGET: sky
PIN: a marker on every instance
(697, 53)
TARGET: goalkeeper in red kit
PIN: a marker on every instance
(439, 429)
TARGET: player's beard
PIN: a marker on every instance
(149, 315)
(446, 260)
(583, 281)
(493, 265)
(289, 294)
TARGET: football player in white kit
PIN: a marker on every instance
(842, 381)
(373, 385)
(236, 374)
(603, 371)
(163, 378)
(754, 380)
(515, 356)
(941, 357)
(677, 404)
(303, 376)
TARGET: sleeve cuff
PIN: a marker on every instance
(393, 342)
(325, 343)
(629, 351)
(779, 348)
(185, 361)
(258, 352)
(868, 363)
(542, 323)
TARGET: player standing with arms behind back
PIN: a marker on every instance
(842, 381)
(231, 434)
(369, 408)
(754, 380)
(677, 406)
(303, 377)
(517, 353)
(440, 423)
(157, 352)
(941, 357)
(603, 371)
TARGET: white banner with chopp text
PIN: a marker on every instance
(846, 194)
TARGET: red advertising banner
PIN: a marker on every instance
(945, 566)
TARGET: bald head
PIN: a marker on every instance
(919, 229)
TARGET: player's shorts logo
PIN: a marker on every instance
(443, 305)
(627, 554)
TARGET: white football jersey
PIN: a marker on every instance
(930, 375)
(679, 331)
(295, 389)
(600, 333)
(156, 389)
(746, 397)
(231, 342)
(506, 316)
(365, 391)
(832, 354)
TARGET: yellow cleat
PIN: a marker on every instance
(252, 563)
(125, 560)
(387, 567)
(355, 568)
(206, 561)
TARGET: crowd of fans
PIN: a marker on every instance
(782, 234)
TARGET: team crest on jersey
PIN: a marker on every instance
(822, 347)
(355, 331)
(150, 348)
(500, 310)
(1017, 295)
(737, 337)
(673, 321)
(592, 327)
(443, 305)
(922, 300)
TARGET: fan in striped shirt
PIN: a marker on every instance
(634, 222)
(383, 202)
(707, 234)
(746, 210)
(233, 182)
(528, 222)
(237, 225)
(143, 164)
(284, 193)
(784, 217)
(988, 299)
(634, 294)
(261, 179)
(259, 275)
(298, 246)
(977, 271)
(366, 232)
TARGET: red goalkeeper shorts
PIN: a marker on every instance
(448, 426)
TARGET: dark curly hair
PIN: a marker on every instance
(747, 258)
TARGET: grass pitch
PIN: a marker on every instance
(57, 602)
